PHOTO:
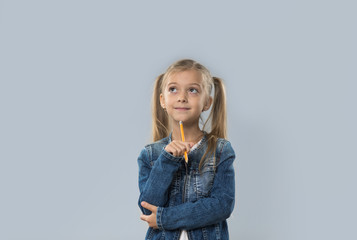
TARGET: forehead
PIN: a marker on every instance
(185, 77)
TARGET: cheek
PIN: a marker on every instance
(204, 101)
(168, 99)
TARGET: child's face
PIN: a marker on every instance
(184, 97)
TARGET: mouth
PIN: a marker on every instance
(182, 109)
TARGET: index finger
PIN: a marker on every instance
(148, 206)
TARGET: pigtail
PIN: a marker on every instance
(219, 111)
(160, 120)
(217, 118)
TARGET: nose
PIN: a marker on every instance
(182, 97)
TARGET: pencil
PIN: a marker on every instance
(183, 139)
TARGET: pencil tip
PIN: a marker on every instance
(180, 122)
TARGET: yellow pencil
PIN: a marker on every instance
(183, 139)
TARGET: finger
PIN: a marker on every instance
(173, 149)
(184, 147)
(179, 146)
(144, 217)
(188, 146)
(176, 149)
(169, 149)
(148, 206)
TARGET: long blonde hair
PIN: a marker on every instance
(217, 117)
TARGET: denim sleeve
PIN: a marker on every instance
(206, 211)
(155, 180)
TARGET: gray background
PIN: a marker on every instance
(76, 79)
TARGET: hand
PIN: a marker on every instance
(150, 219)
(178, 148)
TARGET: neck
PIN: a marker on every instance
(192, 132)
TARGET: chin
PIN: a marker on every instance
(185, 119)
(177, 119)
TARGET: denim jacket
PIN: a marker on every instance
(198, 201)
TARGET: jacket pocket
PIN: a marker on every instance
(204, 179)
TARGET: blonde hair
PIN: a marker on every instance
(217, 116)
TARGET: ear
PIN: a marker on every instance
(162, 101)
(208, 104)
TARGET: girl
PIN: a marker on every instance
(190, 200)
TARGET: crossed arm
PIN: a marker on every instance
(215, 208)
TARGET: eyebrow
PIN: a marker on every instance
(173, 83)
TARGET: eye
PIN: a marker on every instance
(193, 90)
(172, 89)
